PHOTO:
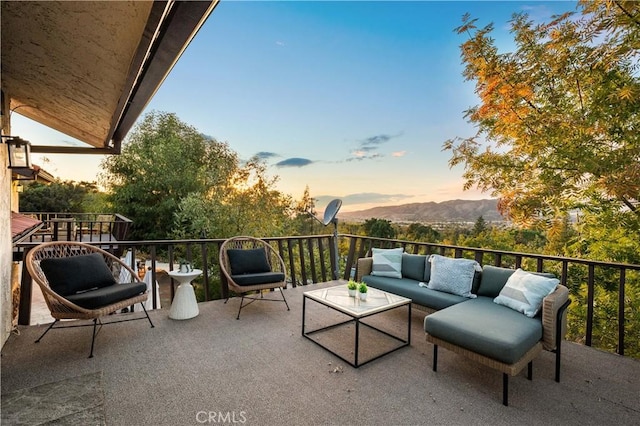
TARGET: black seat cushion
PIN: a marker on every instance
(69, 275)
(251, 261)
(259, 278)
(100, 297)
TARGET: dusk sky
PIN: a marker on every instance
(353, 99)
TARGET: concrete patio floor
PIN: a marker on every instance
(259, 370)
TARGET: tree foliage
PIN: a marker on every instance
(59, 197)
(379, 228)
(304, 209)
(173, 181)
(421, 232)
(557, 124)
(246, 204)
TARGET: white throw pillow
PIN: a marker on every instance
(525, 291)
(387, 262)
(453, 275)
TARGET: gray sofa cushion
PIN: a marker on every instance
(258, 278)
(410, 289)
(493, 279)
(413, 266)
(104, 296)
(484, 327)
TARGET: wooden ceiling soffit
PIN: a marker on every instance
(161, 47)
(169, 28)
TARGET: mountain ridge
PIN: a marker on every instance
(445, 211)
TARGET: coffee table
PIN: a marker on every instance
(338, 298)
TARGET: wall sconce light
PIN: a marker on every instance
(19, 152)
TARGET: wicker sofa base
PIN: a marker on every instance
(506, 369)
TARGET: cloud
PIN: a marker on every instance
(398, 153)
(294, 162)
(361, 155)
(280, 43)
(362, 198)
(265, 155)
(374, 141)
(367, 147)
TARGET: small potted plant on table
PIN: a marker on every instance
(362, 290)
(352, 288)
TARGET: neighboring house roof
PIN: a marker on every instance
(88, 69)
(23, 226)
(36, 173)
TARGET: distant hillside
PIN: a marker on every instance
(446, 211)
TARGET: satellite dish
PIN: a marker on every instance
(331, 211)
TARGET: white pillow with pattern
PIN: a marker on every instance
(387, 262)
(453, 275)
(525, 291)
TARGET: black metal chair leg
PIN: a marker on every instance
(284, 298)
(147, 314)
(505, 389)
(530, 370)
(239, 309)
(93, 339)
(559, 316)
(47, 330)
(558, 360)
(435, 357)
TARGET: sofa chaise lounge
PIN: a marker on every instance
(474, 325)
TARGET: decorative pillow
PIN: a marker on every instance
(525, 291)
(69, 275)
(251, 261)
(452, 275)
(387, 262)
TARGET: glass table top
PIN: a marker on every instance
(338, 298)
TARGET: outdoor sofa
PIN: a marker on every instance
(473, 324)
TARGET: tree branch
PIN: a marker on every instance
(630, 205)
(626, 12)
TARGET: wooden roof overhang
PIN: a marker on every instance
(88, 69)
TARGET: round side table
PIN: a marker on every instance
(184, 305)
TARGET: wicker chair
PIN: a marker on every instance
(62, 308)
(243, 266)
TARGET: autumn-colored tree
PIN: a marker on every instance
(557, 124)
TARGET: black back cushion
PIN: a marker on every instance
(69, 275)
(252, 261)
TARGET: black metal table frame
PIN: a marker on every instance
(357, 321)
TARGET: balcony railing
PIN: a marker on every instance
(583, 277)
(86, 227)
(311, 259)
